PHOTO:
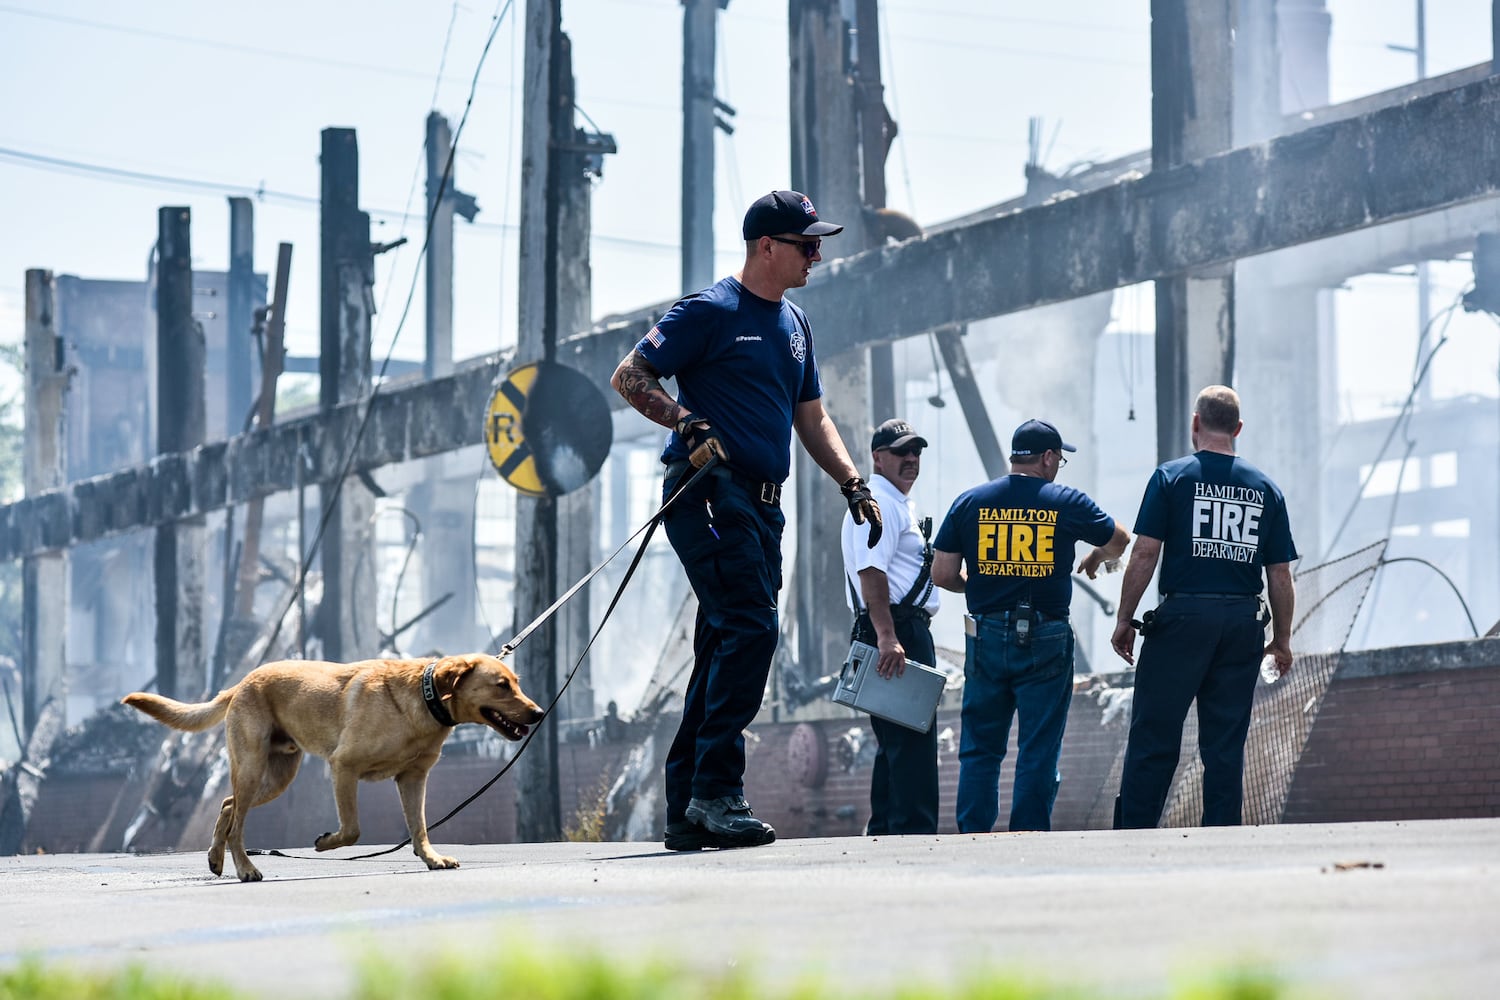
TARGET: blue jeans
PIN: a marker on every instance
(1002, 680)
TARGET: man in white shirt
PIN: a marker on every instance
(890, 589)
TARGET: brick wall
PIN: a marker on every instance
(1392, 742)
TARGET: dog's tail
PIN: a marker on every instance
(179, 715)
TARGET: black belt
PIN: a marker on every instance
(767, 493)
(1211, 597)
(1008, 613)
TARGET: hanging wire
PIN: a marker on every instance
(1401, 417)
(337, 485)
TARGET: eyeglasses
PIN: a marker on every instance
(911, 451)
(1062, 460)
(809, 247)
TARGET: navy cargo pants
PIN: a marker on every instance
(904, 779)
(729, 543)
(1204, 648)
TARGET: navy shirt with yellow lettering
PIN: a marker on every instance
(1017, 535)
(1220, 521)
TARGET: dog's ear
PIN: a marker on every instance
(450, 672)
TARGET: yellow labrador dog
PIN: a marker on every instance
(371, 720)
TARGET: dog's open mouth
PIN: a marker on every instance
(503, 726)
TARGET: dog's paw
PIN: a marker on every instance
(250, 874)
(440, 861)
(216, 864)
(337, 838)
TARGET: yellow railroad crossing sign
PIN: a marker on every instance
(547, 429)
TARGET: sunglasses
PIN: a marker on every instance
(907, 452)
(809, 247)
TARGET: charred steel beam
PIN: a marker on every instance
(1423, 155)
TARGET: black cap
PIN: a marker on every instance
(1036, 436)
(895, 433)
(785, 212)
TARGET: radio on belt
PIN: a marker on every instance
(909, 700)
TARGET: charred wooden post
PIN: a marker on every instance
(825, 167)
(180, 552)
(347, 305)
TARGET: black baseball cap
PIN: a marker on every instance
(1036, 436)
(785, 212)
(895, 433)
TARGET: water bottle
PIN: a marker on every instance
(1269, 671)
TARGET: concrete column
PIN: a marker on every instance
(44, 578)
(238, 367)
(1191, 117)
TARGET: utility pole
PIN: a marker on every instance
(556, 161)
(1191, 117)
(538, 803)
(438, 273)
(180, 424)
(346, 307)
(237, 364)
(825, 166)
(699, 119)
(44, 578)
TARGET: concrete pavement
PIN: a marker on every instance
(1414, 911)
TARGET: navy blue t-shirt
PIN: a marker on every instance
(1220, 521)
(743, 364)
(1017, 536)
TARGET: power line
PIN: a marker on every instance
(259, 192)
(213, 43)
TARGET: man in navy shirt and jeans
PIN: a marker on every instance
(746, 378)
(1215, 521)
(1008, 545)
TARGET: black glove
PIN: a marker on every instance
(702, 443)
(864, 508)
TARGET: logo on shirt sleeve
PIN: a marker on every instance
(1226, 522)
(1016, 541)
(655, 338)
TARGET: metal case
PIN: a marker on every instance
(909, 700)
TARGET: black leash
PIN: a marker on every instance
(649, 528)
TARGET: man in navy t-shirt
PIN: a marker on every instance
(746, 379)
(1008, 546)
(1216, 522)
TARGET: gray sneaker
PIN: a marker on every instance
(729, 817)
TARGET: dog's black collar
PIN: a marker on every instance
(430, 697)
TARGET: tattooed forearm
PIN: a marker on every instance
(640, 385)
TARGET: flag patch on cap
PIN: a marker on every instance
(807, 207)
